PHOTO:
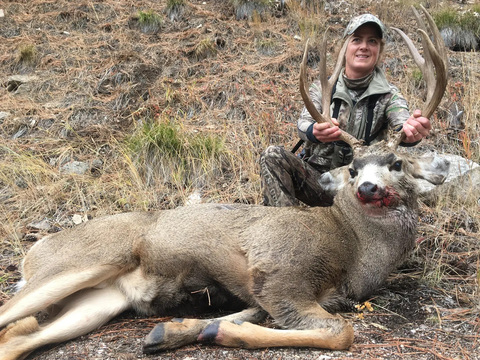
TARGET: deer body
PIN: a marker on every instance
(217, 247)
(293, 263)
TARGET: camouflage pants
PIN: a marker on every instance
(287, 180)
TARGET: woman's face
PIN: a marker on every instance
(363, 51)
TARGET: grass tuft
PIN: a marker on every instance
(27, 54)
(163, 152)
(149, 21)
(205, 48)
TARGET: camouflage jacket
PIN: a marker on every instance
(390, 112)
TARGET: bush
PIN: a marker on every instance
(460, 31)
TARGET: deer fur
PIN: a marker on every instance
(292, 263)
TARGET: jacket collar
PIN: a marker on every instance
(378, 85)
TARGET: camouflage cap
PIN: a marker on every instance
(360, 20)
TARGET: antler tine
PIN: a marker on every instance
(431, 54)
(436, 54)
(327, 87)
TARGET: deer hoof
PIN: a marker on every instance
(173, 334)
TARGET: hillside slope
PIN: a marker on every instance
(110, 106)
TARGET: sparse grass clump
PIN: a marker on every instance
(204, 49)
(163, 152)
(460, 30)
(251, 9)
(27, 54)
(175, 9)
(149, 21)
(266, 46)
(468, 20)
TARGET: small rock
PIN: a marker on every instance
(75, 167)
(77, 219)
(97, 164)
(194, 198)
(42, 225)
(30, 237)
(15, 81)
(4, 115)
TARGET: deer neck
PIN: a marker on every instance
(384, 239)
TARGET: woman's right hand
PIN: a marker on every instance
(324, 132)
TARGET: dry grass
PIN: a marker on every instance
(101, 78)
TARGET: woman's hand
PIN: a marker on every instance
(416, 127)
(324, 132)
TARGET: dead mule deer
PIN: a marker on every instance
(295, 264)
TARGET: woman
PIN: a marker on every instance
(363, 104)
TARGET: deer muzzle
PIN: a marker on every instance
(372, 194)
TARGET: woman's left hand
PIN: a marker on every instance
(416, 127)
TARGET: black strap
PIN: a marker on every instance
(336, 108)
(297, 146)
(372, 101)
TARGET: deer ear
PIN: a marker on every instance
(334, 180)
(433, 169)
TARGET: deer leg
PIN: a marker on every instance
(319, 329)
(33, 298)
(251, 336)
(84, 312)
(180, 332)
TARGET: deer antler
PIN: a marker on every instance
(327, 87)
(434, 53)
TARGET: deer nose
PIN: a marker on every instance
(367, 190)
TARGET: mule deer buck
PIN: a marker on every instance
(294, 263)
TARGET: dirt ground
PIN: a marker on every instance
(96, 72)
(413, 322)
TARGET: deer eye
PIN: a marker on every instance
(397, 166)
(352, 172)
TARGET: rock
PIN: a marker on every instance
(97, 164)
(75, 167)
(458, 39)
(4, 115)
(462, 183)
(14, 82)
(78, 219)
(42, 225)
(464, 189)
(194, 198)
